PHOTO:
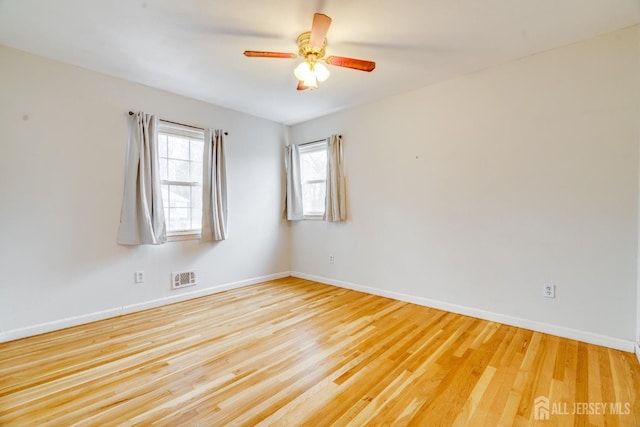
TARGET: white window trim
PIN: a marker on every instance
(315, 146)
(169, 128)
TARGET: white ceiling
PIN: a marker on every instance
(194, 47)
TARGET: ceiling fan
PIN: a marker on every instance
(311, 47)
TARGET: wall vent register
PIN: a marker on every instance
(183, 279)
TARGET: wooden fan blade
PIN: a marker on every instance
(301, 85)
(319, 29)
(259, 54)
(356, 64)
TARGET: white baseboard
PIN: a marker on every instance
(638, 351)
(183, 296)
(547, 328)
(41, 328)
(55, 325)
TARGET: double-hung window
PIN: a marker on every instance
(313, 173)
(180, 152)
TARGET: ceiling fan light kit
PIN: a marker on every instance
(310, 73)
(311, 47)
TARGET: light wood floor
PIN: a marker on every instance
(293, 352)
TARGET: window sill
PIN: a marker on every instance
(313, 217)
(177, 237)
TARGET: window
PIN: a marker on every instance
(180, 152)
(313, 173)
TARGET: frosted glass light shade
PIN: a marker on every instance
(303, 71)
(322, 73)
(311, 73)
(311, 82)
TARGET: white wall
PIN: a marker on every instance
(475, 192)
(638, 281)
(61, 181)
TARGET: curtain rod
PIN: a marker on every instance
(320, 140)
(131, 113)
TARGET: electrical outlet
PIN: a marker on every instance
(331, 259)
(549, 291)
(139, 276)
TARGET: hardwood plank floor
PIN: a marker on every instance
(293, 352)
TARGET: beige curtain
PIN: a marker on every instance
(142, 214)
(214, 187)
(335, 200)
(293, 195)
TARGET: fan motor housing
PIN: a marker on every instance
(307, 51)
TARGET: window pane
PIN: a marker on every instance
(162, 145)
(180, 155)
(313, 198)
(178, 170)
(179, 219)
(179, 196)
(165, 196)
(196, 172)
(196, 208)
(178, 148)
(196, 219)
(196, 198)
(164, 173)
(197, 150)
(313, 165)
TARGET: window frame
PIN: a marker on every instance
(304, 149)
(173, 129)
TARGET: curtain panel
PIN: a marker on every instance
(293, 194)
(335, 205)
(142, 214)
(214, 187)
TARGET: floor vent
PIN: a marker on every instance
(183, 279)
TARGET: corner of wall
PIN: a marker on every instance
(286, 140)
(638, 212)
